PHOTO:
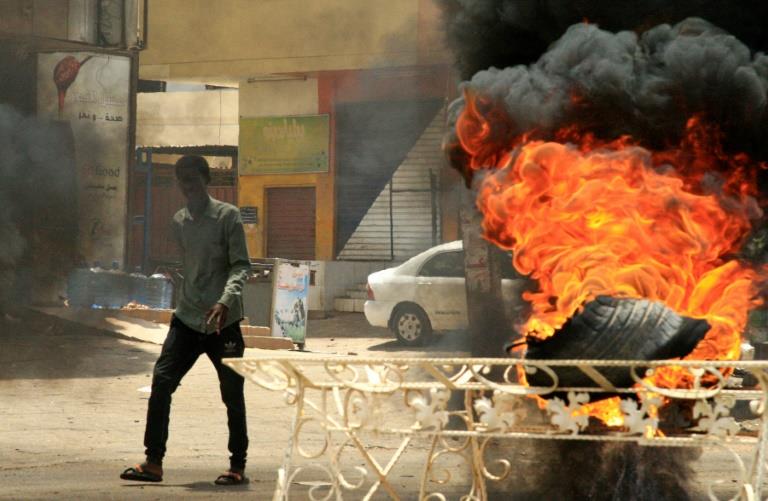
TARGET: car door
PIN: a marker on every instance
(440, 290)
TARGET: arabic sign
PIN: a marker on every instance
(91, 92)
(289, 301)
(249, 215)
(284, 145)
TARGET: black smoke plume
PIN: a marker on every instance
(646, 86)
(38, 210)
(503, 33)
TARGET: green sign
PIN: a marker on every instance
(284, 145)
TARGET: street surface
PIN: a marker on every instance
(73, 401)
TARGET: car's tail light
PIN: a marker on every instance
(369, 291)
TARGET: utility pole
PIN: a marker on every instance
(489, 327)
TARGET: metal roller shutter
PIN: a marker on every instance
(291, 223)
(372, 140)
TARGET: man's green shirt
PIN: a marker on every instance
(215, 263)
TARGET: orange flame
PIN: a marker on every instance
(586, 217)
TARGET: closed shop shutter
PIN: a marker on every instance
(291, 223)
(372, 140)
(404, 218)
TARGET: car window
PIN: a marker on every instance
(444, 264)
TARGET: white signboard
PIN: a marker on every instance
(91, 91)
(289, 300)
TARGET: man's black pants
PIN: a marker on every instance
(181, 349)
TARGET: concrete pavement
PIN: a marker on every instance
(73, 400)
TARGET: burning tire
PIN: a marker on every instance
(616, 329)
(411, 325)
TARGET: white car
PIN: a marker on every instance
(426, 294)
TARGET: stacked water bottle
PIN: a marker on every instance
(158, 291)
(97, 287)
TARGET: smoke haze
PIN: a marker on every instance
(38, 215)
(646, 86)
(503, 33)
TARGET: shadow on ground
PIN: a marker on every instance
(38, 346)
(192, 486)
(447, 343)
(345, 325)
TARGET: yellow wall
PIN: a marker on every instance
(281, 98)
(252, 193)
(191, 40)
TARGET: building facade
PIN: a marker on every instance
(339, 118)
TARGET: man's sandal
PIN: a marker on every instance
(231, 478)
(139, 474)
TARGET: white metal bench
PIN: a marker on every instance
(406, 400)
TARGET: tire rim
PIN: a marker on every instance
(409, 327)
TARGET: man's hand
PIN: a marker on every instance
(217, 314)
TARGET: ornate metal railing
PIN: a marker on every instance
(459, 407)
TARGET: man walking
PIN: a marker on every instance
(206, 320)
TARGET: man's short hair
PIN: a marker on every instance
(195, 162)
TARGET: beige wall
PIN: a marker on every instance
(187, 118)
(278, 97)
(43, 18)
(190, 41)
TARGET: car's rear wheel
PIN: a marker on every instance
(411, 325)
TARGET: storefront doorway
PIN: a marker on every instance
(291, 222)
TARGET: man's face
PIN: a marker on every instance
(192, 185)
